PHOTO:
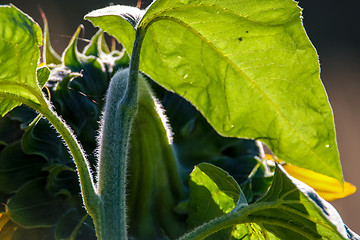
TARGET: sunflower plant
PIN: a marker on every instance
(163, 139)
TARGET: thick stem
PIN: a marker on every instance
(119, 112)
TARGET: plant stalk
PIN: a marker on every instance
(90, 198)
(119, 113)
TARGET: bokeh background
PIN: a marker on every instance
(333, 27)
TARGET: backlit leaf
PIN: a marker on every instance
(248, 67)
(20, 38)
(126, 19)
(213, 192)
(289, 210)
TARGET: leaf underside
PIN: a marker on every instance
(249, 68)
(19, 46)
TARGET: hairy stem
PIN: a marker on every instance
(119, 113)
(90, 197)
(244, 215)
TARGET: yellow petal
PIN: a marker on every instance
(327, 187)
(4, 218)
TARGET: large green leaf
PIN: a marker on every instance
(195, 141)
(20, 38)
(290, 209)
(248, 66)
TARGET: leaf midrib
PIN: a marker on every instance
(25, 87)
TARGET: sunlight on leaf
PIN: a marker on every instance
(126, 19)
(225, 202)
(213, 193)
(20, 38)
(289, 210)
(297, 205)
(250, 69)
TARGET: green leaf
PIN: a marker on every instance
(213, 192)
(298, 212)
(69, 226)
(41, 139)
(33, 206)
(249, 68)
(290, 210)
(20, 38)
(43, 74)
(9, 131)
(17, 168)
(126, 19)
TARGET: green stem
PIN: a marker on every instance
(211, 227)
(244, 215)
(225, 221)
(90, 197)
(132, 85)
(119, 113)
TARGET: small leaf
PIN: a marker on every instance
(43, 74)
(213, 192)
(132, 15)
(20, 38)
(126, 19)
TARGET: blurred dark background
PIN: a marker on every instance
(332, 26)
